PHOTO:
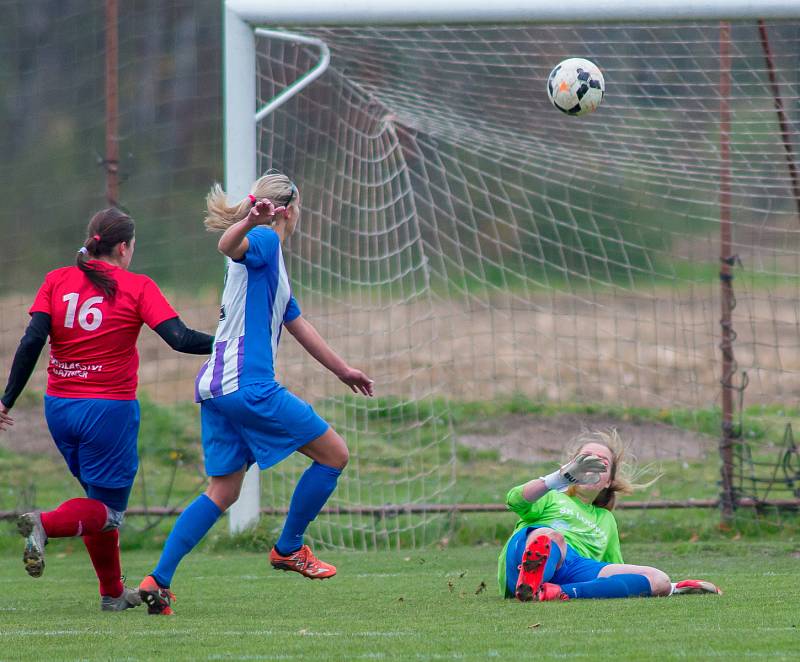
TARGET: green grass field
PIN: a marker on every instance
(421, 605)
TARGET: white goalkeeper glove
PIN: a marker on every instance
(585, 469)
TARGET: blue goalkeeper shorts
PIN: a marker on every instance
(261, 423)
(575, 568)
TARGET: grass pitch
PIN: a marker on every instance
(419, 605)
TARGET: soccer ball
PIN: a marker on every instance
(576, 86)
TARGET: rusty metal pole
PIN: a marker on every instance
(111, 160)
(726, 276)
(783, 122)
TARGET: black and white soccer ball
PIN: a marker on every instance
(576, 86)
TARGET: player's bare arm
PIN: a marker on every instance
(305, 333)
(233, 241)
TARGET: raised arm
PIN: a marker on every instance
(233, 241)
(584, 469)
(314, 344)
(28, 351)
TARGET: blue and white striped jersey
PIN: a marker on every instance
(256, 301)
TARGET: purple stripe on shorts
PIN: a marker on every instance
(202, 372)
(219, 368)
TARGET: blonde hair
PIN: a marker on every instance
(625, 472)
(275, 186)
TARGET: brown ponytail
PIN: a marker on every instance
(107, 228)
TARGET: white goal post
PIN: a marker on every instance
(246, 21)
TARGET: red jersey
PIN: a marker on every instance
(93, 340)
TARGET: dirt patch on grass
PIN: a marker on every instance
(530, 438)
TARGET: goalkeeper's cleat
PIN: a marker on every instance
(548, 592)
(695, 587)
(302, 561)
(157, 599)
(128, 599)
(30, 527)
(531, 570)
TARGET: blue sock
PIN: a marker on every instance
(189, 530)
(313, 489)
(552, 562)
(615, 586)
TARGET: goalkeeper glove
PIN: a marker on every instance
(585, 469)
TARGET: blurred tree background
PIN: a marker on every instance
(52, 130)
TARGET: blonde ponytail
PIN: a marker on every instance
(275, 186)
(220, 214)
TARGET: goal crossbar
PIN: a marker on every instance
(362, 12)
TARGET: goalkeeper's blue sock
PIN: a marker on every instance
(552, 562)
(189, 530)
(615, 586)
(313, 489)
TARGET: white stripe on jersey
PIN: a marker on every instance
(281, 301)
(204, 383)
(230, 328)
(234, 302)
(230, 375)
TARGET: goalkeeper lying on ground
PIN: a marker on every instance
(566, 545)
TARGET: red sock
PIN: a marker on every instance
(104, 551)
(75, 517)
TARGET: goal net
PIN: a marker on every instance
(463, 241)
(504, 272)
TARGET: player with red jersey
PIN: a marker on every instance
(93, 312)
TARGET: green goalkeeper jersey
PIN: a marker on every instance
(589, 530)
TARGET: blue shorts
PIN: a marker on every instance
(96, 437)
(576, 568)
(261, 423)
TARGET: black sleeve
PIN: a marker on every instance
(26, 357)
(182, 339)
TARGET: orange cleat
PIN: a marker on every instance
(531, 570)
(157, 599)
(695, 587)
(549, 592)
(302, 561)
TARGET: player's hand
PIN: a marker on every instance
(262, 211)
(585, 469)
(357, 381)
(5, 420)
